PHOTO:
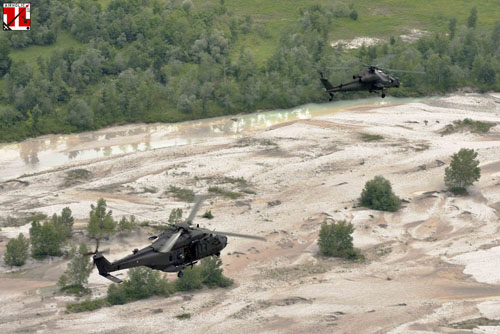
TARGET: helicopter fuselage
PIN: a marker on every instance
(188, 249)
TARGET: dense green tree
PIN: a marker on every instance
(377, 194)
(335, 239)
(80, 114)
(17, 251)
(5, 60)
(452, 26)
(463, 171)
(45, 240)
(472, 19)
(101, 223)
(191, 280)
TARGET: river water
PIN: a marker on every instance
(49, 151)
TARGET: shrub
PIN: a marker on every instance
(175, 216)
(125, 225)
(463, 171)
(143, 283)
(86, 305)
(370, 137)
(378, 195)
(17, 251)
(190, 280)
(186, 195)
(208, 214)
(353, 15)
(468, 124)
(223, 192)
(335, 239)
(211, 273)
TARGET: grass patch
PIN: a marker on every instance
(182, 194)
(76, 290)
(183, 316)
(468, 124)
(223, 192)
(369, 137)
(475, 323)
(87, 305)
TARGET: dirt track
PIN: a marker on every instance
(431, 264)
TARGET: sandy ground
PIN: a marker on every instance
(429, 265)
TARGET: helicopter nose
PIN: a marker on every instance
(222, 240)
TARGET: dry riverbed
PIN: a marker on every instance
(431, 267)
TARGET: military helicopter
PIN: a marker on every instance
(373, 80)
(171, 251)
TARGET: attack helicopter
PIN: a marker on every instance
(373, 80)
(173, 250)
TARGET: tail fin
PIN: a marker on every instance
(104, 267)
(325, 82)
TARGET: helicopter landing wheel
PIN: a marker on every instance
(180, 274)
(383, 95)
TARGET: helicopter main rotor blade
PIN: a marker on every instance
(385, 60)
(198, 201)
(231, 234)
(169, 244)
(404, 71)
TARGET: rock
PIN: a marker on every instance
(274, 203)
(156, 311)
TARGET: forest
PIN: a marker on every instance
(168, 61)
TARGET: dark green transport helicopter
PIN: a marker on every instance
(173, 250)
(374, 80)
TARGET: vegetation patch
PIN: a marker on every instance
(76, 176)
(475, 323)
(468, 124)
(86, 305)
(182, 194)
(369, 137)
(294, 272)
(223, 192)
(183, 316)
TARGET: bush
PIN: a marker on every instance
(353, 15)
(86, 305)
(462, 172)
(17, 251)
(190, 280)
(185, 195)
(211, 273)
(224, 192)
(125, 225)
(175, 216)
(468, 124)
(143, 283)
(335, 239)
(378, 195)
(208, 214)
